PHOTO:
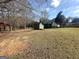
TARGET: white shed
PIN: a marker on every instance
(41, 26)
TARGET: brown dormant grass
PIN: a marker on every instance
(61, 43)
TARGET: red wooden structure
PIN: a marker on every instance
(5, 26)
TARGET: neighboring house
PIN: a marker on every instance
(75, 22)
(72, 22)
(55, 25)
(37, 26)
(50, 24)
(47, 24)
(5, 26)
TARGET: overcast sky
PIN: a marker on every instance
(69, 7)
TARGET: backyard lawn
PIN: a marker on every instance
(59, 43)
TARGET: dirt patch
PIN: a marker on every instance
(14, 42)
(11, 47)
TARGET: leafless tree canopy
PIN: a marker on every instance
(15, 12)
